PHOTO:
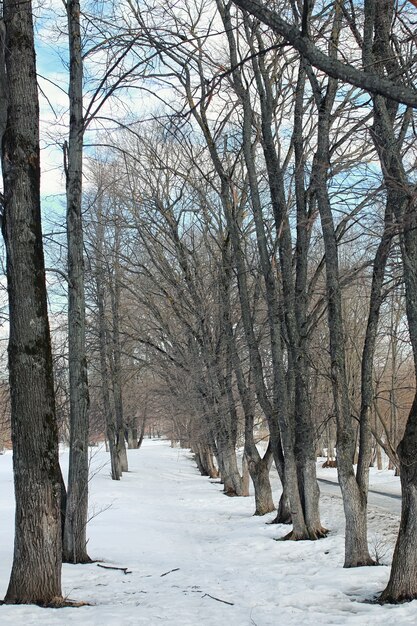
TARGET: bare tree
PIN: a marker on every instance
(36, 571)
(328, 63)
(74, 540)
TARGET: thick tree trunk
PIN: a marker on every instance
(231, 477)
(209, 463)
(199, 461)
(259, 473)
(401, 193)
(36, 570)
(75, 539)
(402, 585)
(204, 460)
(284, 510)
(132, 438)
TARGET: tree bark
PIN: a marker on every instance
(259, 472)
(402, 584)
(75, 537)
(36, 570)
(115, 361)
(354, 499)
(116, 471)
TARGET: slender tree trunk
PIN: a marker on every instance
(141, 432)
(245, 476)
(75, 539)
(103, 332)
(354, 499)
(36, 570)
(297, 311)
(116, 471)
(116, 364)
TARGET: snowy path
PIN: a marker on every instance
(388, 502)
(164, 516)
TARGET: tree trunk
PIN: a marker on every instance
(132, 438)
(116, 471)
(36, 570)
(245, 476)
(231, 477)
(354, 498)
(209, 463)
(75, 539)
(199, 461)
(141, 432)
(284, 510)
(402, 584)
(259, 473)
(354, 501)
(116, 365)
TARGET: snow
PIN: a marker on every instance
(381, 480)
(384, 487)
(164, 518)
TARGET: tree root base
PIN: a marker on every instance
(310, 535)
(83, 561)
(368, 562)
(278, 520)
(263, 512)
(64, 603)
(231, 493)
(55, 603)
(391, 599)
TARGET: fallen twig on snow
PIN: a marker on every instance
(218, 599)
(171, 570)
(125, 570)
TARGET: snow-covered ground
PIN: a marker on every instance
(380, 480)
(198, 557)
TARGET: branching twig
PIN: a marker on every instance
(171, 570)
(125, 570)
(218, 599)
